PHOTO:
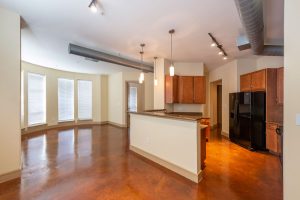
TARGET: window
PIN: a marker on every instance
(85, 95)
(132, 100)
(65, 99)
(36, 99)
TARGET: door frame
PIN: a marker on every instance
(139, 100)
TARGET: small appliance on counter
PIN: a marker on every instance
(247, 119)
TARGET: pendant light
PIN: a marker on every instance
(172, 69)
(155, 77)
(142, 75)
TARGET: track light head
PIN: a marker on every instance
(93, 6)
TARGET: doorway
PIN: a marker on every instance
(134, 99)
(219, 106)
(216, 104)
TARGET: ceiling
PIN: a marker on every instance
(49, 26)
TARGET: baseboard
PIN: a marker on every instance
(117, 124)
(225, 133)
(10, 176)
(30, 130)
(183, 172)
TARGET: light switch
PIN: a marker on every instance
(297, 119)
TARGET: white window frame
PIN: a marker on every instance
(45, 100)
(66, 120)
(82, 119)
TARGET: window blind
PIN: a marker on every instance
(65, 99)
(36, 99)
(85, 102)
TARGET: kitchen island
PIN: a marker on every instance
(175, 141)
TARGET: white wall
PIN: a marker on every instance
(10, 71)
(291, 147)
(228, 74)
(115, 99)
(52, 76)
(174, 141)
(117, 94)
(159, 90)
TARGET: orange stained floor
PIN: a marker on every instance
(95, 163)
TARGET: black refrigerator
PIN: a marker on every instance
(247, 119)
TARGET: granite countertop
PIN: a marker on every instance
(174, 115)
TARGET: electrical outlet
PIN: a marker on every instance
(297, 119)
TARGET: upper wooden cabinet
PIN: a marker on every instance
(258, 80)
(280, 72)
(186, 89)
(171, 89)
(199, 89)
(245, 83)
(255, 81)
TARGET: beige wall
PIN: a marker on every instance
(228, 74)
(159, 90)
(99, 110)
(117, 95)
(291, 146)
(10, 71)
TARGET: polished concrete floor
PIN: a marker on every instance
(95, 163)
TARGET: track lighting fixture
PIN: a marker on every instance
(172, 69)
(215, 43)
(93, 6)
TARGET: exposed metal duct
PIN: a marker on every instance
(98, 55)
(251, 12)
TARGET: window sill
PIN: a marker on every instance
(67, 121)
(36, 125)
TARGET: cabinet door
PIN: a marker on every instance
(199, 89)
(271, 138)
(280, 85)
(171, 85)
(186, 89)
(258, 80)
(245, 83)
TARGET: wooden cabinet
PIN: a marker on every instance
(171, 89)
(258, 80)
(206, 121)
(280, 75)
(255, 81)
(186, 89)
(199, 89)
(272, 139)
(245, 83)
(203, 148)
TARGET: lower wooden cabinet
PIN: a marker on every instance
(206, 121)
(272, 139)
(203, 148)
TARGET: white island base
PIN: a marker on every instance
(172, 143)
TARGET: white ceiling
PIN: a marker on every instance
(51, 25)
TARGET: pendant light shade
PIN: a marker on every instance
(155, 77)
(142, 75)
(172, 68)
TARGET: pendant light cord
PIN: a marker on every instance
(171, 48)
